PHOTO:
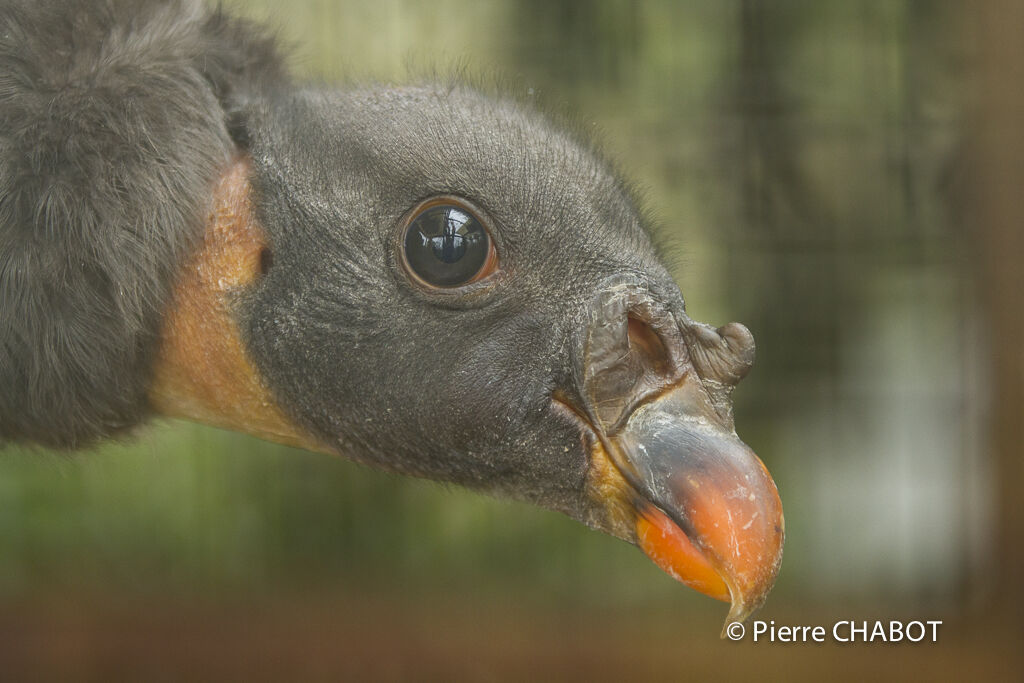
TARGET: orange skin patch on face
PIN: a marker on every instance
(608, 487)
(202, 372)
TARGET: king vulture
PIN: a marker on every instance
(427, 279)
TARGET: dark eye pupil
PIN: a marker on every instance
(445, 245)
(450, 246)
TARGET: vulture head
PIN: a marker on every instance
(425, 279)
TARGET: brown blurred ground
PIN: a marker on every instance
(373, 638)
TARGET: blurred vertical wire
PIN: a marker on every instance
(994, 221)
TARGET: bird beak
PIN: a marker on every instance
(707, 511)
(666, 463)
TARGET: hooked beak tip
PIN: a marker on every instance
(742, 580)
(707, 511)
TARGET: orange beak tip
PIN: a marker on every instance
(724, 564)
(671, 549)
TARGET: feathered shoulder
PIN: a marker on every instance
(114, 123)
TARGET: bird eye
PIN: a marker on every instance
(446, 245)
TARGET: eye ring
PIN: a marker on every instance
(445, 244)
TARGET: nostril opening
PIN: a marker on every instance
(645, 341)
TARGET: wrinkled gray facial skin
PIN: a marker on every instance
(452, 385)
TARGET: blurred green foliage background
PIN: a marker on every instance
(803, 159)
